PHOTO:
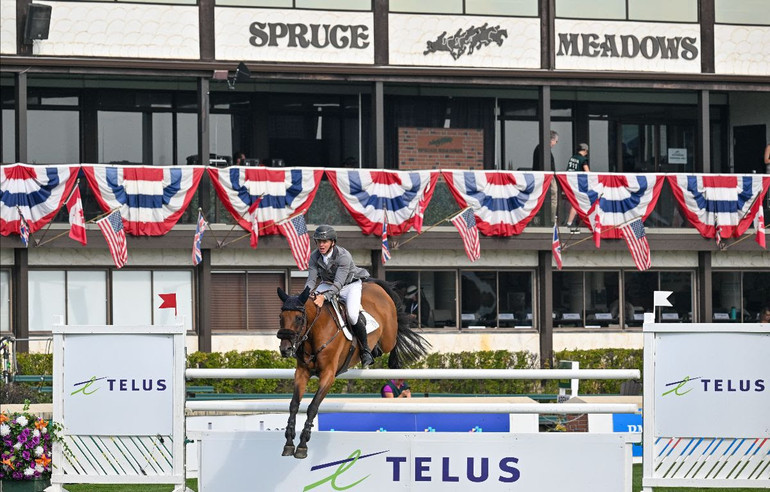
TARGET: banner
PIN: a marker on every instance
(117, 384)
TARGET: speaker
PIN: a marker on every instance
(38, 22)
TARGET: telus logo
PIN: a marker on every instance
(91, 386)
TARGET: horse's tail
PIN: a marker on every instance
(410, 345)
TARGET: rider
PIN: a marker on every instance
(333, 269)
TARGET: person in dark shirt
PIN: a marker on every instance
(536, 166)
(396, 388)
(578, 163)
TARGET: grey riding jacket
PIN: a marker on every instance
(340, 271)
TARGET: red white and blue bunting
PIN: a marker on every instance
(151, 199)
(277, 194)
(617, 199)
(727, 201)
(368, 195)
(38, 192)
(504, 202)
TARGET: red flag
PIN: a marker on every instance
(759, 225)
(77, 219)
(112, 228)
(465, 222)
(295, 231)
(636, 240)
(597, 230)
(169, 301)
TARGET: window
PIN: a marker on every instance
(523, 8)
(433, 304)
(586, 299)
(243, 301)
(81, 297)
(751, 12)
(637, 293)
(738, 297)
(637, 10)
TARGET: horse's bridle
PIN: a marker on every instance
(298, 338)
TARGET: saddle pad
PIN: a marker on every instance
(371, 325)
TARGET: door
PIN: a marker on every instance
(748, 149)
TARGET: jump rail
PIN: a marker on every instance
(424, 374)
(409, 407)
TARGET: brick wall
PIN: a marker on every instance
(440, 148)
(577, 423)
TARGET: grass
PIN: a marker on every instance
(193, 484)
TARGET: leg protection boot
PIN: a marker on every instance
(360, 331)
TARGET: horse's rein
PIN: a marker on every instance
(306, 334)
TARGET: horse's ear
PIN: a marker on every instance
(282, 294)
(305, 294)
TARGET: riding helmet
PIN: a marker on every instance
(325, 232)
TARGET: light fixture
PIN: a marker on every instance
(242, 74)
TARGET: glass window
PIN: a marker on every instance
(120, 137)
(680, 283)
(86, 297)
(515, 299)
(663, 10)
(726, 297)
(637, 294)
(131, 297)
(53, 137)
(187, 138)
(220, 134)
(756, 295)
(478, 305)
(427, 6)
(591, 9)
(162, 139)
(568, 299)
(46, 299)
(177, 282)
(440, 289)
(9, 136)
(502, 7)
(5, 300)
(287, 4)
(601, 288)
(752, 12)
(334, 4)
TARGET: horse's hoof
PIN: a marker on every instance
(301, 453)
(288, 450)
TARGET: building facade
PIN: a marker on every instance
(651, 86)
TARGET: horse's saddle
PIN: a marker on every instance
(339, 310)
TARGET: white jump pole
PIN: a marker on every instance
(424, 374)
(331, 405)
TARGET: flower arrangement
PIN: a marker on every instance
(26, 445)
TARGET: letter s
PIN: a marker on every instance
(689, 50)
(759, 384)
(161, 385)
(505, 466)
(259, 37)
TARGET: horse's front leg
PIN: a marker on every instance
(301, 377)
(324, 384)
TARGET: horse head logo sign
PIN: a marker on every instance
(470, 40)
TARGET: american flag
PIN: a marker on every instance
(197, 257)
(633, 233)
(556, 247)
(385, 255)
(112, 228)
(295, 231)
(23, 229)
(465, 222)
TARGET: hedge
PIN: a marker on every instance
(498, 359)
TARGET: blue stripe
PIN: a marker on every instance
(365, 199)
(495, 204)
(626, 204)
(721, 206)
(33, 198)
(268, 201)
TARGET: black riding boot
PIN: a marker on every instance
(360, 331)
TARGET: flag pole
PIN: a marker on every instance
(91, 221)
(397, 245)
(607, 229)
(72, 192)
(744, 237)
(223, 244)
(739, 220)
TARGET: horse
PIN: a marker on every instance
(314, 337)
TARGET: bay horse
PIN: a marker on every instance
(314, 337)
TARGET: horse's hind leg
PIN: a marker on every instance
(301, 377)
(325, 383)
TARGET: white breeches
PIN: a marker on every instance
(351, 294)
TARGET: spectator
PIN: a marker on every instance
(413, 306)
(764, 315)
(536, 154)
(239, 159)
(396, 388)
(576, 164)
